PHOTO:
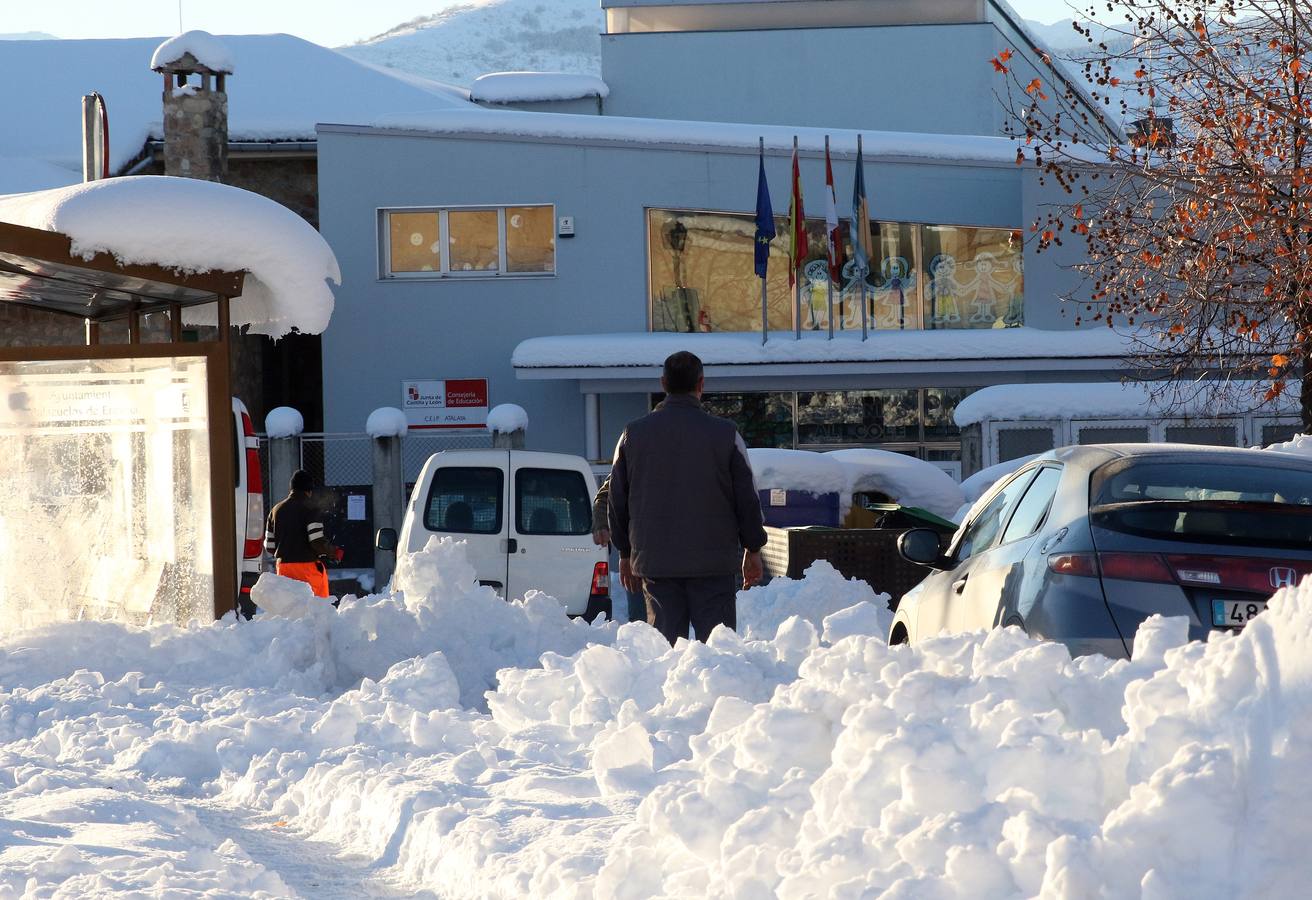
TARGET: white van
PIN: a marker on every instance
(527, 519)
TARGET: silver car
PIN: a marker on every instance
(1083, 543)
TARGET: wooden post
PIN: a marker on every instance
(175, 322)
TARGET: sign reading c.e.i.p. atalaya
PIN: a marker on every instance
(450, 405)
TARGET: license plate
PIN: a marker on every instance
(1235, 613)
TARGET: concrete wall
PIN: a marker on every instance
(383, 332)
(928, 78)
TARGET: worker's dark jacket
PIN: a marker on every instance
(294, 532)
(683, 502)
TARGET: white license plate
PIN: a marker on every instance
(1235, 613)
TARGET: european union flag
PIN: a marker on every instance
(764, 220)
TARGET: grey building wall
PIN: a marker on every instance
(930, 78)
(383, 332)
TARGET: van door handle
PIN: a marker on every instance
(960, 584)
(510, 545)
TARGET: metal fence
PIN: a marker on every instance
(346, 458)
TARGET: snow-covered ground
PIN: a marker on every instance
(444, 743)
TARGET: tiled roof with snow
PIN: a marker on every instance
(285, 86)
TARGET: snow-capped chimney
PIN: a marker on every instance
(195, 65)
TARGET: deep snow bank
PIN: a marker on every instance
(819, 762)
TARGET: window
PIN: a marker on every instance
(702, 276)
(1013, 443)
(552, 501)
(1211, 435)
(983, 530)
(469, 242)
(858, 417)
(1033, 507)
(1113, 434)
(465, 500)
(764, 420)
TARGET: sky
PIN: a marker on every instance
(327, 22)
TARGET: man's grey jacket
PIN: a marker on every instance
(683, 502)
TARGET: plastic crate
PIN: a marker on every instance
(869, 554)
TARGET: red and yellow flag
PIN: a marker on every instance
(797, 244)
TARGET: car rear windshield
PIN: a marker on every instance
(1218, 502)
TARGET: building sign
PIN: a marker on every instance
(454, 404)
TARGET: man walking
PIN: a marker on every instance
(635, 602)
(684, 513)
(294, 535)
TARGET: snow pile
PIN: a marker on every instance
(909, 481)
(822, 592)
(505, 418)
(386, 421)
(982, 345)
(283, 422)
(207, 50)
(796, 470)
(818, 762)
(1115, 400)
(528, 87)
(197, 226)
(1300, 444)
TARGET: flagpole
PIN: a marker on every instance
(765, 308)
(829, 240)
(865, 323)
(797, 271)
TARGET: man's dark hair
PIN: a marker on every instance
(301, 481)
(682, 372)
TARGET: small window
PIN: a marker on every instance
(465, 501)
(981, 533)
(1209, 435)
(468, 242)
(1114, 434)
(1033, 507)
(1013, 443)
(552, 501)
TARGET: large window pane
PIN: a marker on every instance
(764, 420)
(858, 417)
(414, 242)
(530, 239)
(473, 240)
(940, 408)
(972, 277)
(894, 298)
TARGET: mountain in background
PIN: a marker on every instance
(28, 36)
(462, 42)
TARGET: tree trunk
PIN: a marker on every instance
(1305, 392)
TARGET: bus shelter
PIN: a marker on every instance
(117, 459)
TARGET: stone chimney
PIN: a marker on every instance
(195, 66)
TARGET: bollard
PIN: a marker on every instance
(389, 501)
(284, 459)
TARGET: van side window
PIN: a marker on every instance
(552, 501)
(465, 501)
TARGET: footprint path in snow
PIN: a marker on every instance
(313, 869)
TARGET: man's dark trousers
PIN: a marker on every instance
(703, 602)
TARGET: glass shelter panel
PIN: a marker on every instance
(105, 479)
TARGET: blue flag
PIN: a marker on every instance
(859, 225)
(764, 222)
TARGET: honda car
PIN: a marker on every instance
(1082, 544)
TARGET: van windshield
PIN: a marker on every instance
(465, 500)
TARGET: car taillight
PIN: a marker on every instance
(1135, 567)
(254, 546)
(601, 580)
(1074, 564)
(1240, 573)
